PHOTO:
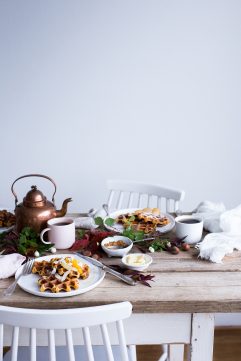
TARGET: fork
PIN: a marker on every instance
(27, 269)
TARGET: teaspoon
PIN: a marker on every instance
(106, 208)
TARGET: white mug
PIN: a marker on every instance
(190, 227)
(61, 232)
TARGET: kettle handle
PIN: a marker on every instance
(33, 175)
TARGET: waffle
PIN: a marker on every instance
(146, 220)
(45, 268)
(7, 219)
(151, 211)
(142, 226)
(42, 268)
(50, 283)
(60, 274)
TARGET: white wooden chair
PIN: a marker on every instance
(72, 321)
(128, 194)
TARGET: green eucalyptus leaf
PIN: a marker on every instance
(109, 221)
(81, 233)
(99, 221)
(159, 244)
(139, 235)
(128, 232)
(23, 238)
(131, 219)
(21, 249)
(29, 242)
(32, 243)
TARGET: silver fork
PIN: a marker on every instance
(27, 269)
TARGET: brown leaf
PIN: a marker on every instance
(81, 243)
(135, 275)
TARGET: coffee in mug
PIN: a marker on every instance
(61, 232)
(190, 227)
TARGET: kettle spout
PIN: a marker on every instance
(62, 212)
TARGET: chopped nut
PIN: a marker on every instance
(87, 253)
(116, 244)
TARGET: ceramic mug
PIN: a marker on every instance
(190, 227)
(61, 232)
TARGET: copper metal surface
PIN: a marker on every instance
(36, 210)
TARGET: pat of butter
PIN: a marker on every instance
(133, 260)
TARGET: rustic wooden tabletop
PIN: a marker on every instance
(183, 283)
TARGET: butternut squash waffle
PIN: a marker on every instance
(146, 220)
(60, 274)
(7, 219)
(51, 283)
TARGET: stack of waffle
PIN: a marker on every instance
(146, 220)
(60, 274)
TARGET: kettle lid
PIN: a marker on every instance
(34, 198)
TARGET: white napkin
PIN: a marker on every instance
(9, 264)
(226, 227)
(210, 213)
(85, 222)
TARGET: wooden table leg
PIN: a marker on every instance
(202, 337)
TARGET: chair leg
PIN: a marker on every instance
(176, 352)
(132, 352)
(164, 356)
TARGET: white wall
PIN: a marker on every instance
(135, 89)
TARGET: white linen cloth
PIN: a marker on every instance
(9, 264)
(226, 228)
(85, 222)
(210, 213)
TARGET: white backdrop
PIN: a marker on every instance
(142, 90)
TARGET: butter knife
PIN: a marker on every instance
(107, 269)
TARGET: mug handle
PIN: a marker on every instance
(42, 233)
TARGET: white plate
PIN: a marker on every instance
(119, 227)
(29, 282)
(6, 229)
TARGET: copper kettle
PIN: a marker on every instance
(36, 210)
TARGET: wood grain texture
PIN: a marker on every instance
(227, 344)
(183, 283)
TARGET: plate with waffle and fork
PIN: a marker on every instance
(148, 220)
(61, 275)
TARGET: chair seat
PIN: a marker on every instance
(62, 353)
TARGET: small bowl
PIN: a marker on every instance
(141, 267)
(116, 251)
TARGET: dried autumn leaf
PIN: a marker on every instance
(80, 243)
(145, 283)
(135, 275)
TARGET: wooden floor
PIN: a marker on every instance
(227, 347)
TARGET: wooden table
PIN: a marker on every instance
(179, 308)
